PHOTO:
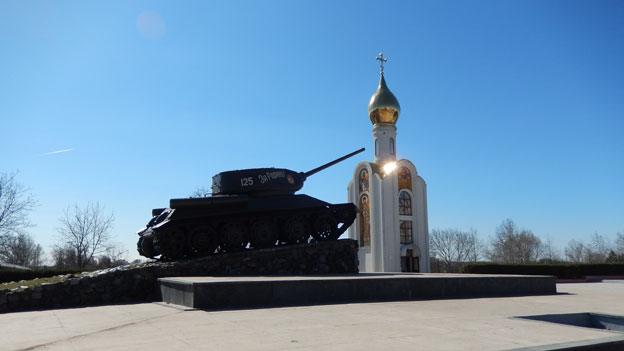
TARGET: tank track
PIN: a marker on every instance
(217, 234)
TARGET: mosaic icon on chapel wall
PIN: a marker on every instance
(363, 180)
(405, 179)
(364, 206)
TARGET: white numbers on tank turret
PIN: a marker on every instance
(247, 181)
(276, 174)
(263, 178)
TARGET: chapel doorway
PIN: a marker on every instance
(409, 262)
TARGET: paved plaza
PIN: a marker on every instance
(461, 324)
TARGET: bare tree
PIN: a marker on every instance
(201, 192)
(15, 204)
(64, 257)
(549, 252)
(87, 231)
(474, 248)
(598, 249)
(113, 257)
(513, 245)
(575, 251)
(453, 247)
(619, 242)
(613, 257)
(22, 250)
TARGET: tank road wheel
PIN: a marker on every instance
(233, 236)
(145, 246)
(204, 240)
(263, 233)
(295, 230)
(324, 227)
(172, 244)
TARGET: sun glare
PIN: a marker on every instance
(389, 167)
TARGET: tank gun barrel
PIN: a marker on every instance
(329, 164)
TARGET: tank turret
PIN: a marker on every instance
(266, 181)
(249, 209)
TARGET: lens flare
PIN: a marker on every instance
(389, 167)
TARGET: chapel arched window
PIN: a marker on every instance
(405, 203)
(392, 150)
(405, 178)
(363, 180)
(406, 232)
(364, 220)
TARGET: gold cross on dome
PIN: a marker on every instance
(382, 60)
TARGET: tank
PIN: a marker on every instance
(248, 209)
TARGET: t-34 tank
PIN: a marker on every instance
(249, 208)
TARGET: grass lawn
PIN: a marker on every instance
(31, 283)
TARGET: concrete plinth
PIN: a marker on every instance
(251, 292)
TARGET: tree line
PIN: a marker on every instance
(83, 237)
(450, 249)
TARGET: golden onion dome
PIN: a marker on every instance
(383, 106)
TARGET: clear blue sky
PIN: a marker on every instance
(509, 108)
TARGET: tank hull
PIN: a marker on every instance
(227, 223)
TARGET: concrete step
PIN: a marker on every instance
(218, 293)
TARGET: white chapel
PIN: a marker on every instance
(391, 227)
